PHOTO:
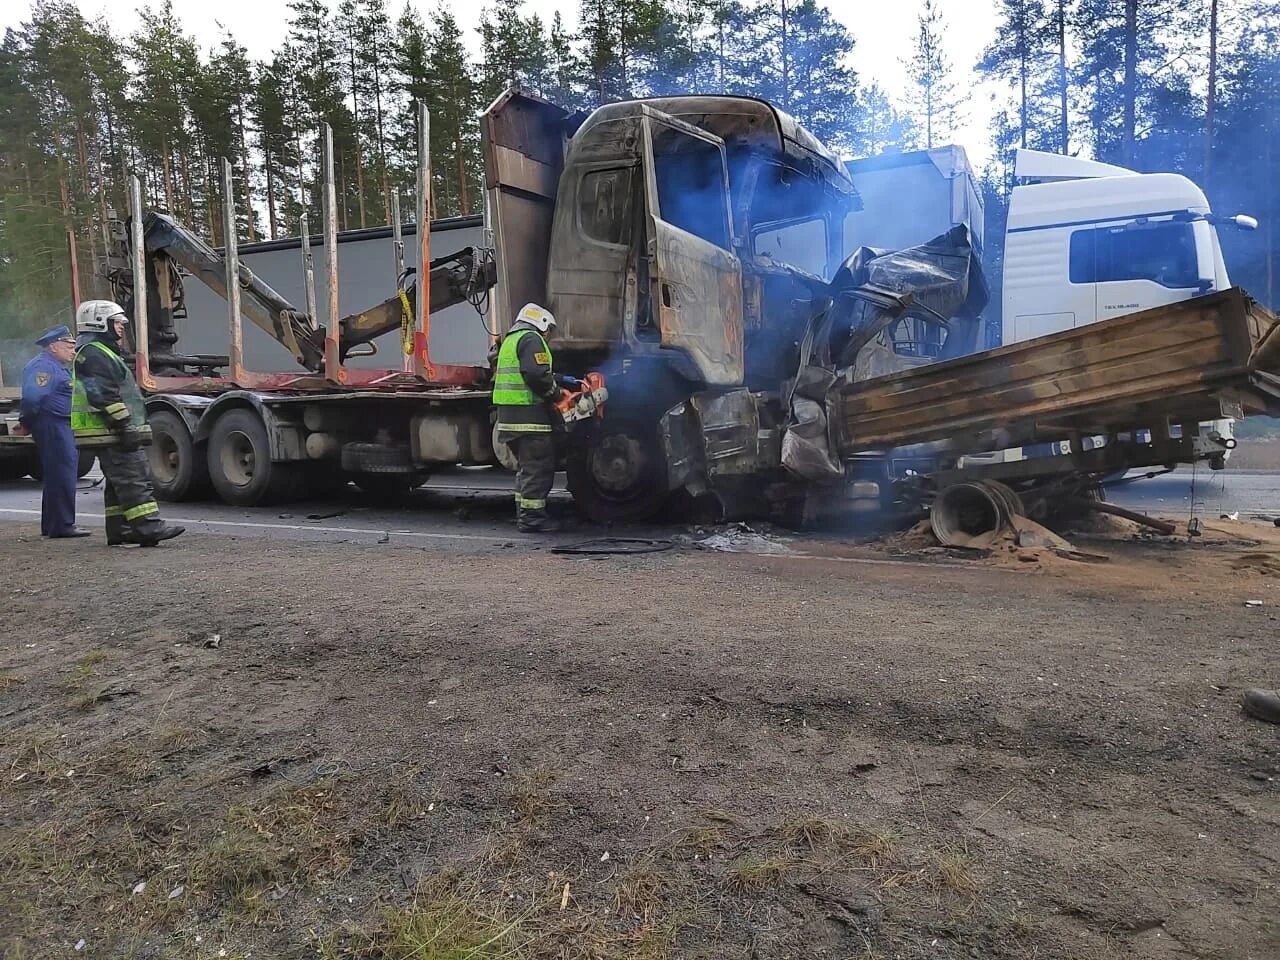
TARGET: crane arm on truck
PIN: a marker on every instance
(164, 238)
(458, 277)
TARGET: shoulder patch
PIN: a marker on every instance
(42, 379)
(542, 357)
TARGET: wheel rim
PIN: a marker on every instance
(619, 466)
(237, 459)
(166, 458)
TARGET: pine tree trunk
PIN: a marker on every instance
(342, 188)
(786, 61)
(462, 179)
(86, 186)
(1022, 92)
(1063, 133)
(1212, 95)
(382, 140)
(355, 118)
(1130, 78)
(248, 180)
(168, 178)
(268, 165)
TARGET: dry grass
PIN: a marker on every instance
(531, 797)
(699, 841)
(814, 833)
(447, 922)
(876, 848)
(8, 680)
(757, 874)
(955, 872)
(76, 680)
(639, 893)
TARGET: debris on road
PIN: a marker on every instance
(737, 538)
(213, 641)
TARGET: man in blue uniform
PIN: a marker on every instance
(46, 414)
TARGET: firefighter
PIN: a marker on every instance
(524, 389)
(107, 413)
(46, 415)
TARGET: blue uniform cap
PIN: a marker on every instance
(57, 333)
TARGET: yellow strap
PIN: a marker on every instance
(406, 315)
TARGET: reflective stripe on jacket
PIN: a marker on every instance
(104, 396)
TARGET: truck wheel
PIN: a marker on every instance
(179, 470)
(618, 475)
(87, 459)
(240, 465)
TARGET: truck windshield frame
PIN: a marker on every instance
(1162, 252)
(804, 255)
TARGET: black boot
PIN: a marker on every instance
(151, 531)
(536, 521)
(118, 533)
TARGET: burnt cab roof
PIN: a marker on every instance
(741, 122)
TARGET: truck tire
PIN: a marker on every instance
(179, 469)
(87, 459)
(358, 458)
(240, 465)
(618, 474)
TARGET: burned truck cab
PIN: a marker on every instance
(684, 245)
(698, 231)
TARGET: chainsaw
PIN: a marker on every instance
(586, 401)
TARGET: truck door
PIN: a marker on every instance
(1137, 265)
(695, 280)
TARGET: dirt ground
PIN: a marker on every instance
(260, 748)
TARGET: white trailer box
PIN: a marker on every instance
(910, 198)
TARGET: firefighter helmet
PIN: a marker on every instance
(96, 316)
(537, 317)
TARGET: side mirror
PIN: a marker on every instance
(1240, 221)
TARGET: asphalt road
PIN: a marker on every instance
(469, 510)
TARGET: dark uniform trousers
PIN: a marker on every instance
(126, 487)
(536, 472)
(59, 465)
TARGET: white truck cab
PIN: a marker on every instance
(1087, 241)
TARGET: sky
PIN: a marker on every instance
(884, 32)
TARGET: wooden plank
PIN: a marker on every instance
(1167, 362)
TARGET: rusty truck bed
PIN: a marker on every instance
(1187, 362)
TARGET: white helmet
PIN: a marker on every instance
(95, 316)
(537, 317)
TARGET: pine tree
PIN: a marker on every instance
(277, 139)
(935, 99)
(1019, 55)
(453, 113)
(801, 62)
